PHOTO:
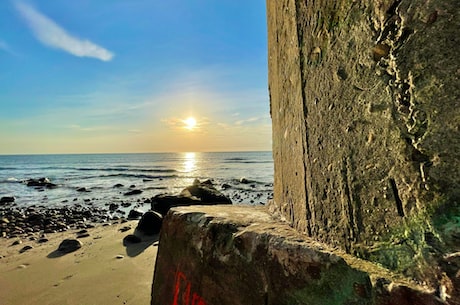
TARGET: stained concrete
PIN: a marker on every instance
(240, 255)
(365, 103)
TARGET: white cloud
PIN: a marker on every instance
(52, 35)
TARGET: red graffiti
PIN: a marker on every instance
(183, 292)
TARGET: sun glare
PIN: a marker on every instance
(190, 123)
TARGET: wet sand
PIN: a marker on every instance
(105, 270)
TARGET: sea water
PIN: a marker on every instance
(152, 173)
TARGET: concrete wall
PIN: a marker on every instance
(365, 103)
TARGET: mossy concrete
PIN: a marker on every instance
(365, 103)
(239, 255)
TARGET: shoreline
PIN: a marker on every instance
(105, 270)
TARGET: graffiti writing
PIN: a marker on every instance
(183, 292)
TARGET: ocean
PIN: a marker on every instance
(102, 179)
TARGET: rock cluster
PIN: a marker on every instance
(15, 222)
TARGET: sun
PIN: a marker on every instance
(190, 123)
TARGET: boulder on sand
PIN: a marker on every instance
(150, 223)
(69, 245)
(199, 193)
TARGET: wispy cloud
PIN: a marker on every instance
(51, 34)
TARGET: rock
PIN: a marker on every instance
(133, 192)
(113, 207)
(118, 185)
(131, 239)
(226, 186)
(119, 256)
(125, 228)
(43, 240)
(134, 214)
(82, 189)
(16, 242)
(244, 180)
(25, 248)
(200, 193)
(206, 193)
(69, 245)
(40, 182)
(163, 202)
(150, 223)
(7, 199)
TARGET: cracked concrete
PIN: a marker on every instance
(365, 103)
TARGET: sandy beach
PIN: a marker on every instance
(105, 270)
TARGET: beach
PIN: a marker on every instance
(45, 199)
(105, 270)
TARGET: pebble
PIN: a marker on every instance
(16, 242)
(119, 256)
(124, 229)
(25, 248)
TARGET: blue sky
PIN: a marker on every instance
(123, 76)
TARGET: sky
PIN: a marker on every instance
(133, 76)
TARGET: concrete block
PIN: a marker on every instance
(240, 255)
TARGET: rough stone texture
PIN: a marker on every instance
(239, 255)
(365, 103)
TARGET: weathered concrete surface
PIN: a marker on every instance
(365, 103)
(240, 255)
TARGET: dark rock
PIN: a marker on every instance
(163, 202)
(134, 214)
(126, 204)
(42, 240)
(206, 193)
(200, 193)
(40, 183)
(131, 239)
(150, 223)
(69, 245)
(125, 228)
(118, 185)
(83, 235)
(7, 199)
(16, 242)
(25, 248)
(226, 186)
(82, 189)
(113, 207)
(133, 192)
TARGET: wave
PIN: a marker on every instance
(126, 175)
(10, 180)
(247, 162)
(126, 169)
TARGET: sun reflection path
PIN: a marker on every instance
(189, 162)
